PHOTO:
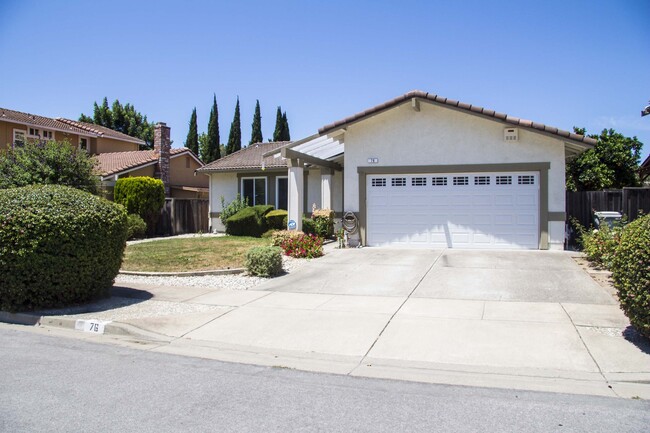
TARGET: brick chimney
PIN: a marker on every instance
(162, 148)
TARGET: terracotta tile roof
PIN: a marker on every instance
(39, 121)
(100, 131)
(249, 157)
(458, 105)
(115, 162)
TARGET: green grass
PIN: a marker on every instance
(190, 254)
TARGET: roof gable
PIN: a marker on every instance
(112, 163)
(250, 157)
(457, 105)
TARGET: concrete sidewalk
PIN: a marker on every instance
(547, 346)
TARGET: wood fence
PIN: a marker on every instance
(183, 215)
(631, 202)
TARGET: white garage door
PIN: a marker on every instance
(458, 210)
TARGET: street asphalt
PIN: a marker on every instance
(57, 384)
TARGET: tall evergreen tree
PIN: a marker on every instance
(234, 138)
(256, 133)
(286, 135)
(277, 134)
(211, 152)
(192, 141)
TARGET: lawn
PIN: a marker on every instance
(190, 254)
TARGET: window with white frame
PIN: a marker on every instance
(281, 192)
(253, 189)
(40, 134)
(84, 144)
(19, 137)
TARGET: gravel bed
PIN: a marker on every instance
(226, 282)
(150, 308)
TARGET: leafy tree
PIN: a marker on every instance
(122, 118)
(256, 134)
(192, 141)
(286, 135)
(612, 163)
(234, 138)
(277, 134)
(44, 163)
(210, 150)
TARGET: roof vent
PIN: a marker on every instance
(510, 134)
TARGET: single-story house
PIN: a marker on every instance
(16, 127)
(176, 167)
(418, 171)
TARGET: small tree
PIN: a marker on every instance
(48, 163)
(277, 133)
(256, 133)
(192, 141)
(234, 138)
(143, 196)
(286, 135)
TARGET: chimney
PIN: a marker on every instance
(162, 148)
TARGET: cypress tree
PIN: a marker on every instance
(212, 153)
(277, 134)
(234, 138)
(286, 135)
(256, 134)
(192, 141)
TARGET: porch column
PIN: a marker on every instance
(326, 187)
(296, 188)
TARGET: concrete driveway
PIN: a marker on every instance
(527, 276)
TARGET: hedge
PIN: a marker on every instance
(249, 221)
(275, 219)
(58, 246)
(143, 196)
(630, 268)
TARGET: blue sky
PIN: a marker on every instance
(564, 63)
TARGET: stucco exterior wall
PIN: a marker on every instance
(313, 190)
(105, 145)
(442, 136)
(144, 171)
(180, 174)
(337, 191)
(7, 134)
(221, 185)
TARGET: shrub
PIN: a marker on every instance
(232, 208)
(136, 227)
(600, 245)
(143, 196)
(48, 163)
(631, 273)
(323, 222)
(305, 245)
(308, 226)
(58, 246)
(279, 237)
(264, 261)
(275, 219)
(249, 221)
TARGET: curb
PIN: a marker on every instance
(112, 328)
(184, 274)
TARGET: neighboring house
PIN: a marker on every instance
(176, 167)
(117, 153)
(258, 179)
(16, 127)
(424, 171)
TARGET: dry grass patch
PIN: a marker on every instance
(190, 254)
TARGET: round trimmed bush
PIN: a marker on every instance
(58, 246)
(631, 273)
(136, 227)
(264, 261)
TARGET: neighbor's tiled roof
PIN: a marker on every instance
(39, 121)
(100, 131)
(249, 157)
(115, 162)
(458, 105)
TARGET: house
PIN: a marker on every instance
(118, 154)
(176, 167)
(420, 171)
(644, 171)
(16, 127)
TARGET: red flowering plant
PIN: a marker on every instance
(303, 246)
